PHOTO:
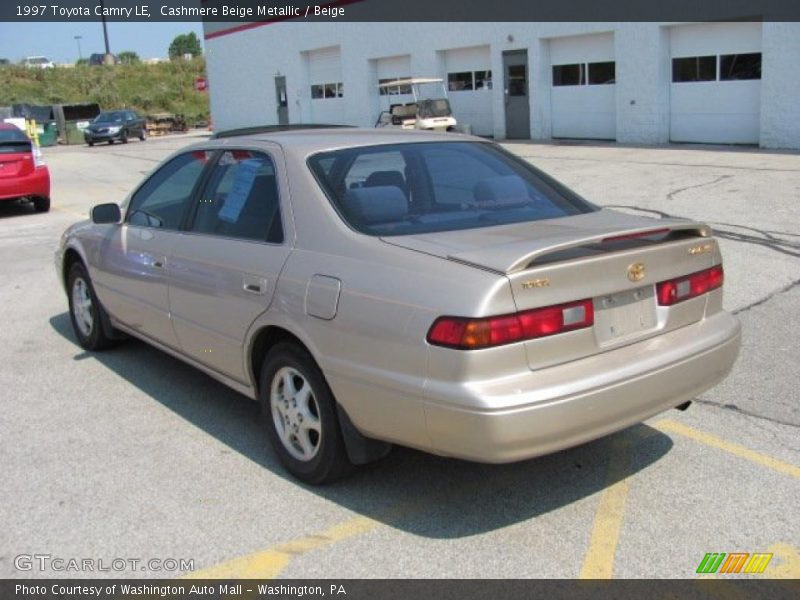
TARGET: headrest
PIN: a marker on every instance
(378, 204)
(501, 189)
(381, 178)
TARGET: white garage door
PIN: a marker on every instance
(327, 89)
(392, 68)
(583, 96)
(715, 94)
(469, 84)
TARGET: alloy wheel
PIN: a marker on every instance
(295, 413)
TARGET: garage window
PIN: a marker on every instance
(457, 82)
(569, 75)
(694, 68)
(327, 90)
(602, 73)
(483, 80)
(469, 80)
(734, 67)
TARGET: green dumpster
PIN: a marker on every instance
(48, 133)
(74, 132)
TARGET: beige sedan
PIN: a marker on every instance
(371, 288)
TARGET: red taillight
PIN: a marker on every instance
(471, 334)
(689, 286)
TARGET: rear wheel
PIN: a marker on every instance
(85, 310)
(90, 144)
(299, 413)
(41, 204)
(143, 134)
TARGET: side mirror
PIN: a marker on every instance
(104, 214)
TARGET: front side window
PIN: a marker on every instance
(406, 189)
(161, 201)
(241, 199)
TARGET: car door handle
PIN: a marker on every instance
(254, 285)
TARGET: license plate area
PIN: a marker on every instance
(624, 315)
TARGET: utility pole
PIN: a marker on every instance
(78, 39)
(108, 59)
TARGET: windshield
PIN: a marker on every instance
(429, 109)
(404, 189)
(110, 117)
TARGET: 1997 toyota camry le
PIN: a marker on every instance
(431, 290)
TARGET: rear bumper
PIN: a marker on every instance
(559, 407)
(36, 183)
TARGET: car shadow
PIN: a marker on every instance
(15, 208)
(409, 490)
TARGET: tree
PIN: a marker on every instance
(185, 43)
(128, 57)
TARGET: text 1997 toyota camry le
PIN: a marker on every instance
(423, 289)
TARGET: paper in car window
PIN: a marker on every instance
(240, 190)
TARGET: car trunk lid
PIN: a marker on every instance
(612, 258)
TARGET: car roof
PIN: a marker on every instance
(309, 141)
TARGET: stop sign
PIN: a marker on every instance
(201, 84)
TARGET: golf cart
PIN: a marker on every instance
(430, 109)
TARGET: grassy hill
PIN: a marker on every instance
(163, 87)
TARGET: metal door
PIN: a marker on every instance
(518, 112)
(282, 100)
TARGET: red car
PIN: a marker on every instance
(23, 173)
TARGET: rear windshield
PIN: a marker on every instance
(13, 141)
(404, 189)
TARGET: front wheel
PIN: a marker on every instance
(143, 134)
(124, 137)
(299, 413)
(85, 311)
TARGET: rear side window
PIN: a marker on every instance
(163, 199)
(241, 199)
(405, 189)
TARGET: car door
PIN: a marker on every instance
(132, 267)
(225, 265)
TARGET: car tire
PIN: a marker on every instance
(143, 134)
(110, 142)
(90, 144)
(300, 416)
(124, 137)
(86, 312)
(41, 204)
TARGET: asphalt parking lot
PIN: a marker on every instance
(131, 454)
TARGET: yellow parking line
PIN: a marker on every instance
(599, 560)
(267, 564)
(708, 439)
